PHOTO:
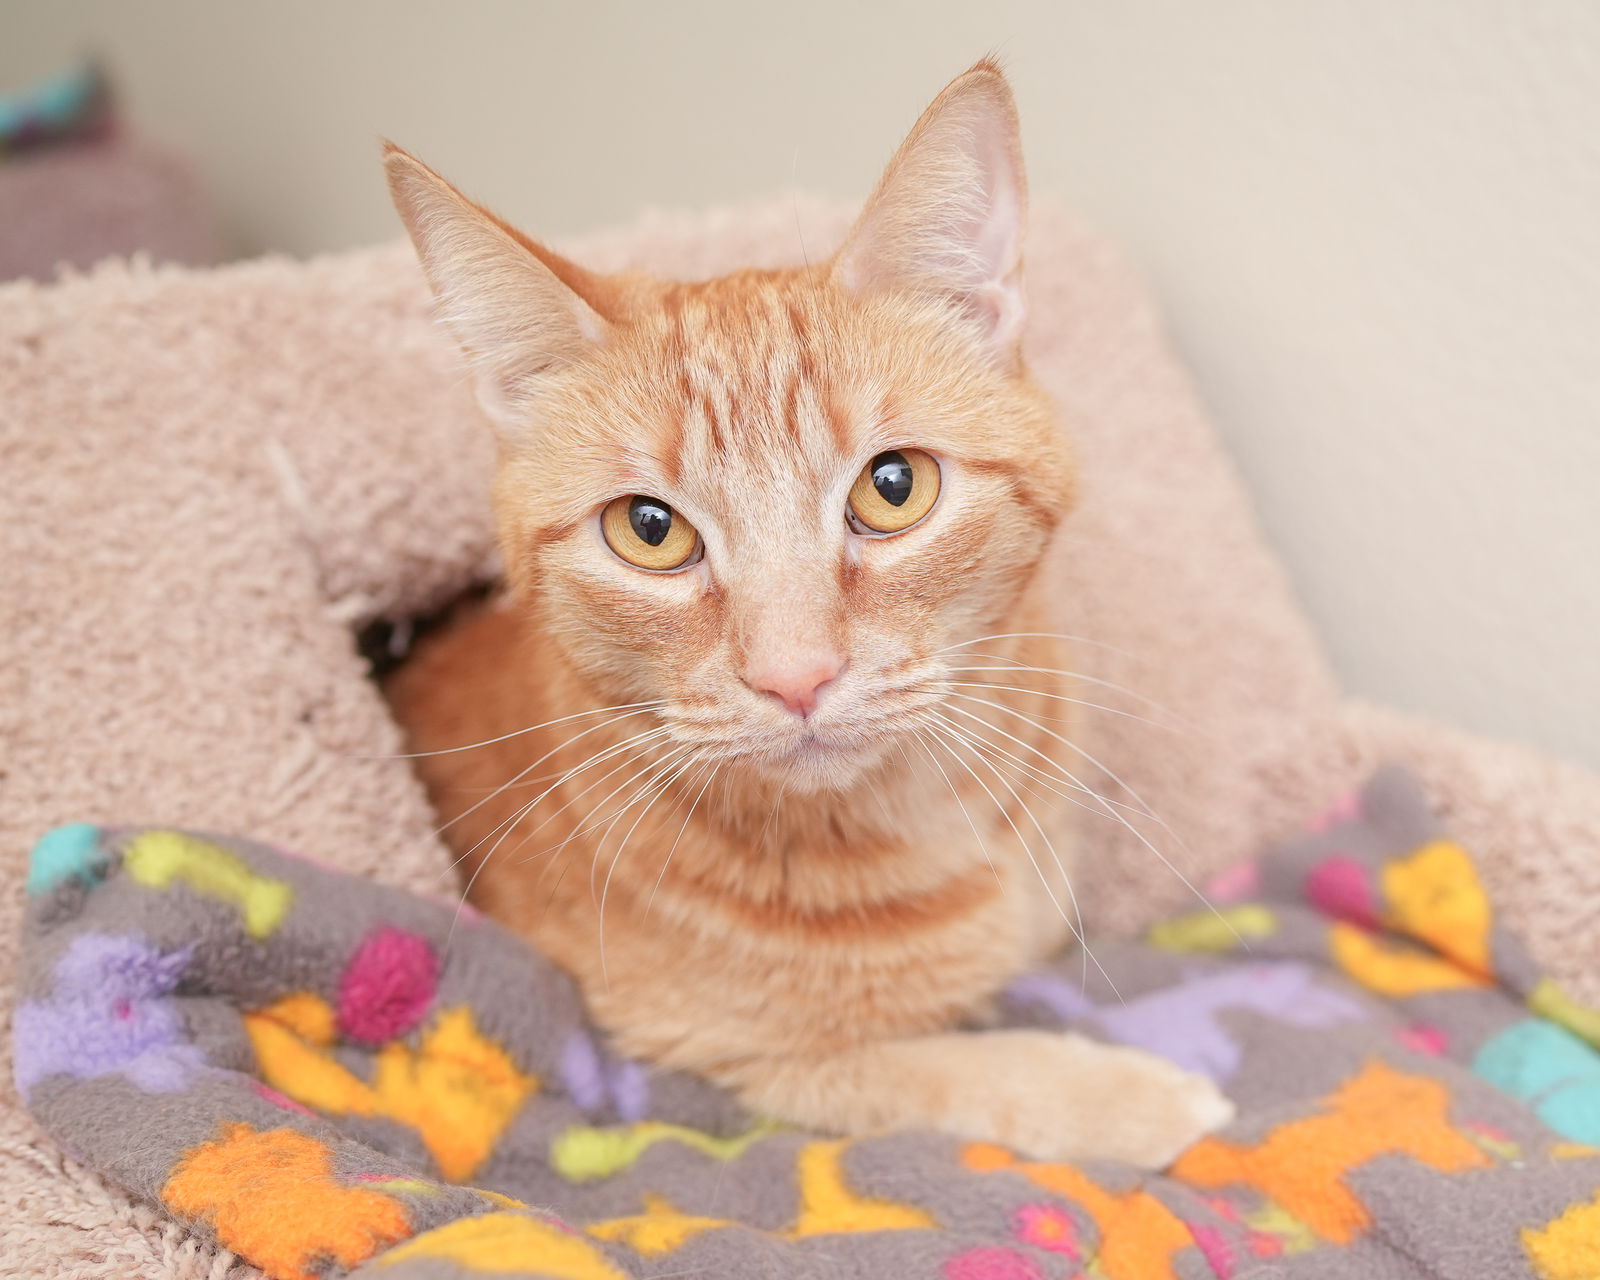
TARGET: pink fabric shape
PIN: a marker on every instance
(1236, 883)
(1214, 1245)
(1422, 1038)
(387, 986)
(991, 1264)
(1048, 1227)
(1341, 887)
(1347, 808)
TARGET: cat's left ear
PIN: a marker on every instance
(946, 218)
(518, 310)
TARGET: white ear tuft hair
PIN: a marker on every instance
(946, 218)
(514, 306)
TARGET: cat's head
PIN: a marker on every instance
(771, 501)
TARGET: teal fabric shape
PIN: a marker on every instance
(1550, 1069)
(71, 852)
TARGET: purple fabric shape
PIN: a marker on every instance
(110, 1011)
(630, 1088)
(581, 1071)
(1182, 1023)
(593, 1078)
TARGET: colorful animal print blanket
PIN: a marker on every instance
(330, 1077)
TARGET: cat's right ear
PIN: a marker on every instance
(518, 310)
(946, 220)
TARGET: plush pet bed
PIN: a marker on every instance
(214, 478)
(195, 1011)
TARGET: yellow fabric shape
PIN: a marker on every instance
(585, 1154)
(1567, 1248)
(1549, 1001)
(156, 858)
(459, 1090)
(659, 1229)
(1435, 894)
(828, 1205)
(1432, 894)
(1393, 967)
(501, 1242)
(1222, 931)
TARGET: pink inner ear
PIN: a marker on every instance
(947, 218)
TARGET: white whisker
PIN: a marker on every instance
(977, 835)
(1077, 928)
(710, 777)
(1080, 677)
(1066, 777)
(1140, 800)
(515, 733)
(508, 825)
(1039, 635)
(661, 787)
(1055, 697)
(1017, 831)
(518, 777)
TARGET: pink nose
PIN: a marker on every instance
(798, 684)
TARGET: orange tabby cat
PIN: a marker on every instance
(762, 535)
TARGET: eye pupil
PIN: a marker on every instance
(892, 478)
(651, 520)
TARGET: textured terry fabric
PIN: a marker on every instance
(329, 1076)
(211, 477)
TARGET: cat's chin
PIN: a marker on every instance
(813, 765)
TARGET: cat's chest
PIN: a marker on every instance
(694, 979)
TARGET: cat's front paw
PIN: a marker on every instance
(1066, 1098)
(1159, 1111)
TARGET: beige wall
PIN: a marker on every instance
(1375, 225)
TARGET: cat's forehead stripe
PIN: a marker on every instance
(748, 371)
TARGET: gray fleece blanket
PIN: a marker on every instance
(332, 1078)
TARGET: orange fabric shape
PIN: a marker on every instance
(1301, 1165)
(271, 1198)
(459, 1090)
(1139, 1236)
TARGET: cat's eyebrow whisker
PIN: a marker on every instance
(515, 733)
(1139, 799)
(1079, 932)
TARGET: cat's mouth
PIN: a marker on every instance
(817, 760)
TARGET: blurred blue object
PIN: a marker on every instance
(75, 105)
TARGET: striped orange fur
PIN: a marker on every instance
(788, 871)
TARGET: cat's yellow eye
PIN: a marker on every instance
(895, 490)
(646, 532)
